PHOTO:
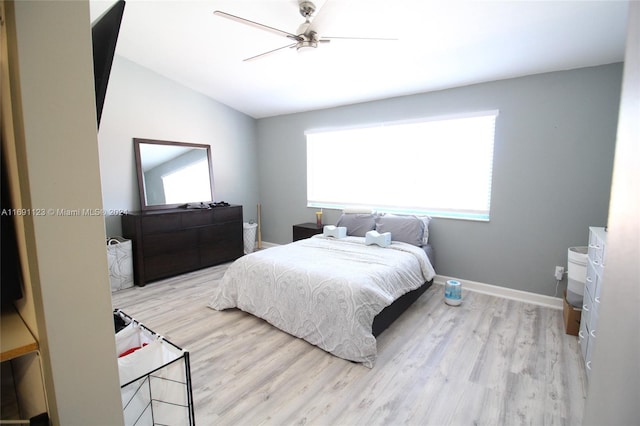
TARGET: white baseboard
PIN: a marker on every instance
(492, 290)
(506, 293)
(266, 244)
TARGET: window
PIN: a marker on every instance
(187, 183)
(440, 166)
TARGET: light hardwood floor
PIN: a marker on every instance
(490, 361)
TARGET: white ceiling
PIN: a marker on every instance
(441, 44)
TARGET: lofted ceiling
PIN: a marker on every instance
(440, 44)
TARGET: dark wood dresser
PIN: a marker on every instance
(175, 241)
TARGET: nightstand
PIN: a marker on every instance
(306, 230)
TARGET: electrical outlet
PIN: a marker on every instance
(559, 272)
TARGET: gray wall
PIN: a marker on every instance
(143, 104)
(554, 146)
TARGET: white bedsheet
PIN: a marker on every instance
(326, 291)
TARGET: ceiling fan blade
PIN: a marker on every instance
(269, 52)
(257, 25)
(320, 16)
(357, 38)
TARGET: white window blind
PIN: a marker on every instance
(440, 166)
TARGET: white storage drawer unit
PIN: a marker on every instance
(591, 304)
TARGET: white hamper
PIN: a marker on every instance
(577, 275)
(249, 237)
(155, 377)
(120, 260)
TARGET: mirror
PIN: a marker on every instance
(172, 174)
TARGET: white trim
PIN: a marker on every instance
(266, 245)
(491, 290)
(490, 112)
(506, 293)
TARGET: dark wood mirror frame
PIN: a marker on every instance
(140, 161)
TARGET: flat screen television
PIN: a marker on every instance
(104, 33)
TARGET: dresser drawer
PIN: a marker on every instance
(215, 215)
(595, 249)
(169, 242)
(168, 264)
(219, 234)
(211, 255)
(227, 214)
(593, 317)
(587, 309)
(603, 260)
(588, 357)
(583, 339)
(195, 218)
(161, 223)
(592, 281)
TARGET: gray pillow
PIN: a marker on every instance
(407, 229)
(357, 224)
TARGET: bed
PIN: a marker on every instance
(335, 293)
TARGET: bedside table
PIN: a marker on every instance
(306, 230)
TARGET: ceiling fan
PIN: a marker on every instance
(305, 38)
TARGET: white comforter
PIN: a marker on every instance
(326, 291)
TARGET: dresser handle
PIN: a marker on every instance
(581, 334)
(588, 365)
(593, 333)
(597, 299)
(585, 308)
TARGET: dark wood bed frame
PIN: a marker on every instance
(389, 314)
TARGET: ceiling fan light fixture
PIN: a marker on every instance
(309, 41)
(306, 45)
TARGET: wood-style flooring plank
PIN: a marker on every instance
(490, 361)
